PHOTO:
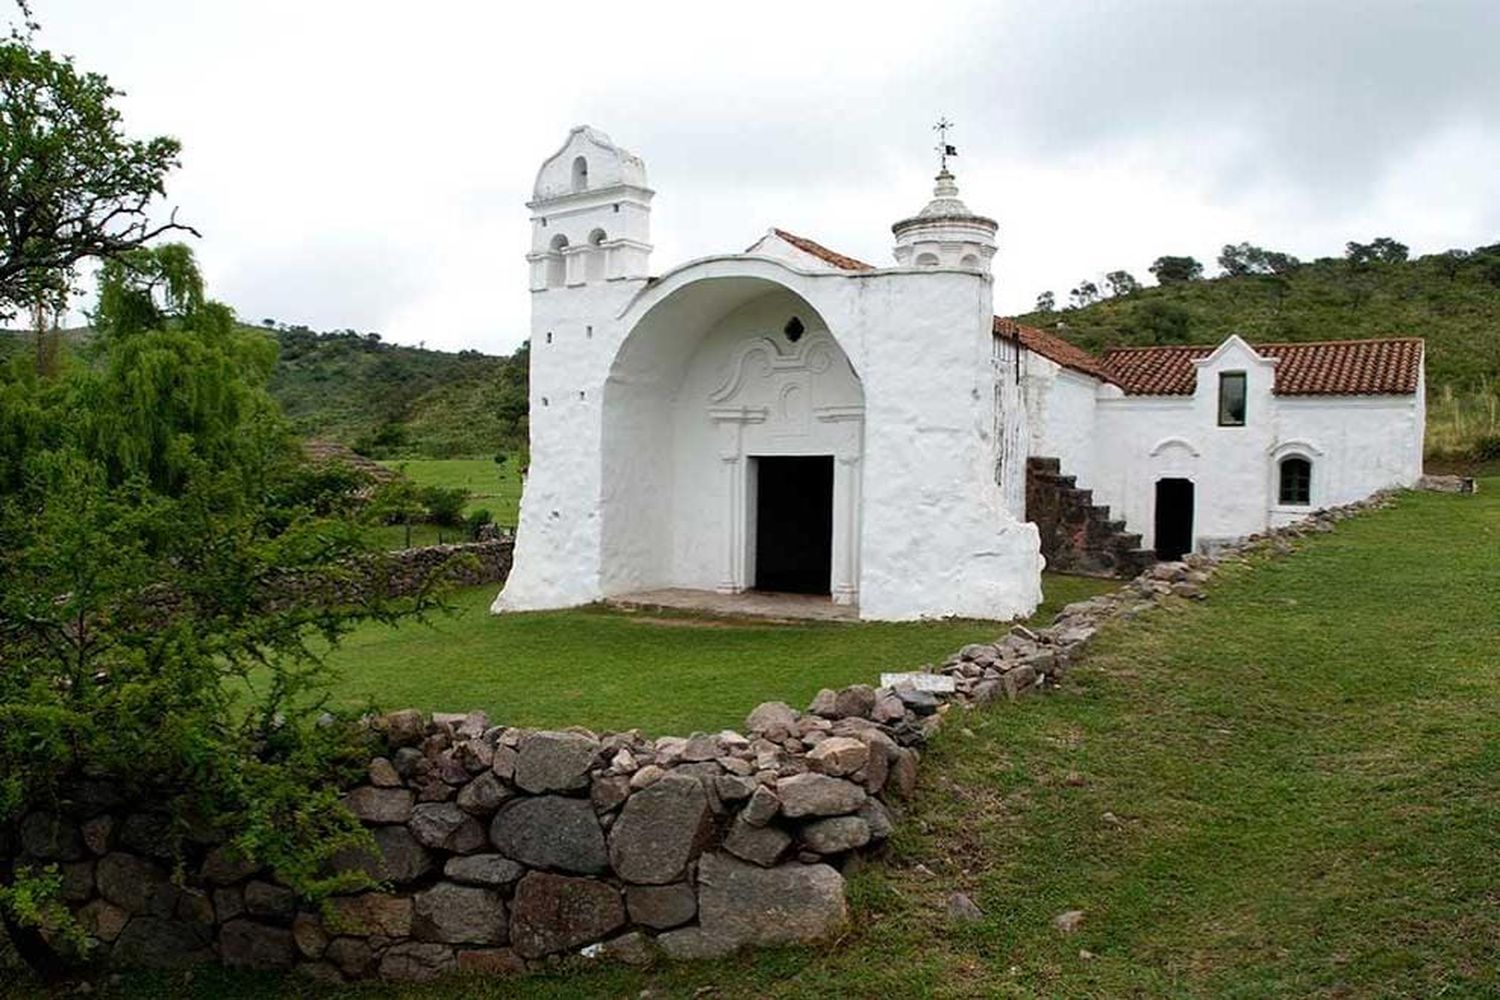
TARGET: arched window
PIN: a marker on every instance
(580, 174)
(969, 261)
(927, 260)
(594, 270)
(557, 265)
(1295, 486)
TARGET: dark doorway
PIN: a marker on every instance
(1174, 518)
(794, 524)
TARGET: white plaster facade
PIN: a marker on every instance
(654, 401)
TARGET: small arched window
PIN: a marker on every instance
(595, 264)
(557, 265)
(969, 261)
(1295, 486)
(580, 174)
(927, 260)
(597, 237)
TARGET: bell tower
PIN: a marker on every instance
(590, 215)
(945, 234)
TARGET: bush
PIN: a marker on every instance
(1486, 448)
(445, 505)
(476, 521)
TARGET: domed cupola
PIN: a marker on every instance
(945, 233)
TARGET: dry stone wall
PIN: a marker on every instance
(500, 848)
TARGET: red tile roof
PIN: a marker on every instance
(1323, 368)
(1052, 347)
(818, 250)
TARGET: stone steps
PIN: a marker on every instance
(1078, 535)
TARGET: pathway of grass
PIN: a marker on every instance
(1292, 789)
(613, 669)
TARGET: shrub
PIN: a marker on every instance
(476, 521)
(445, 505)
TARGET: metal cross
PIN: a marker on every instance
(944, 150)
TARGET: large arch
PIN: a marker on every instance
(725, 364)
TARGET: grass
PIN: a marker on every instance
(612, 669)
(496, 488)
(1292, 789)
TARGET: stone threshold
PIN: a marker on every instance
(747, 604)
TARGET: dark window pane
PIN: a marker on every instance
(1296, 481)
(1232, 399)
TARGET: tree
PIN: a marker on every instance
(1244, 258)
(1158, 322)
(73, 186)
(1087, 293)
(1174, 269)
(1045, 303)
(157, 515)
(1381, 250)
(1121, 283)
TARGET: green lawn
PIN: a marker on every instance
(612, 669)
(1291, 789)
(492, 487)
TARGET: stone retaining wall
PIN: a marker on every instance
(484, 562)
(501, 848)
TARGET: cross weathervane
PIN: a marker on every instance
(943, 148)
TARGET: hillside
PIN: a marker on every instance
(389, 400)
(384, 400)
(1453, 301)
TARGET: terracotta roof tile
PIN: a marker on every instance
(1052, 347)
(818, 250)
(1389, 366)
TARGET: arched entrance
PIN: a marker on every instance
(732, 439)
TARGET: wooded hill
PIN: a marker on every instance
(1451, 299)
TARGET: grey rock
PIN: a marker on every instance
(224, 864)
(262, 899)
(836, 834)
(555, 762)
(854, 701)
(609, 793)
(646, 776)
(459, 914)
(103, 920)
(228, 904)
(550, 831)
(50, 837)
(824, 704)
(661, 906)
(369, 914)
(135, 884)
(251, 945)
(151, 834)
(818, 795)
(963, 910)
(1068, 921)
(762, 807)
(308, 935)
(96, 833)
(380, 805)
(742, 904)
(763, 845)
(353, 956)
(660, 830)
(77, 880)
(838, 756)
(383, 773)
(445, 826)
(403, 728)
(483, 869)
(158, 943)
(775, 719)
(552, 913)
(483, 795)
(920, 702)
(490, 962)
(633, 948)
(734, 787)
(415, 961)
(878, 818)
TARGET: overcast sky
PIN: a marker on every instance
(366, 164)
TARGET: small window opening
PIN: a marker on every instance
(580, 393)
(549, 336)
(1296, 481)
(927, 260)
(793, 329)
(557, 268)
(544, 400)
(544, 222)
(1231, 399)
(588, 333)
(580, 174)
(617, 208)
(597, 237)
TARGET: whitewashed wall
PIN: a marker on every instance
(1061, 407)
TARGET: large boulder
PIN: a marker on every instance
(158, 943)
(552, 913)
(459, 914)
(742, 905)
(818, 795)
(445, 826)
(838, 755)
(550, 831)
(555, 762)
(763, 845)
(776, 720)
(836, 834)
(483, 795)
(135, 884)
(661, 906)
(483, 869)
(252, 945)
(661, 829)
(380, 805)
(416, 961)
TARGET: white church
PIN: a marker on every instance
(788, 419)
